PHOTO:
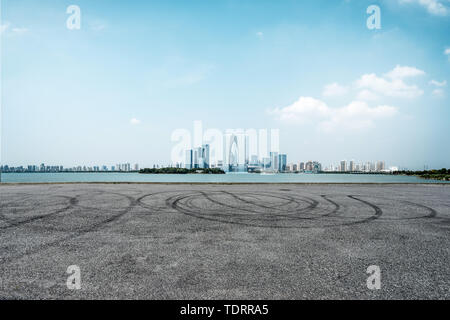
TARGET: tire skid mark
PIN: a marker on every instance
(313, 205)
(25, 196)
(432, 212)
(378, 211)
(140, 202)
(304, 210)
(174, 205)
(182, 201)
(16, 223)
(337, 207)
(101, 193)
(91, 228)
(290, 200)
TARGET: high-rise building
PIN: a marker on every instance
(197, 157)
(207, 156)
(274, 160)
(380, 166)
(301, 166)
(343, 167)
(282, 162)
(352, 166)
(316, 166)
(189, 163)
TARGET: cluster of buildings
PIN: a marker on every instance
(353, 166)
(124, 167)
(308, 167)
(199, 158)
(239, 154)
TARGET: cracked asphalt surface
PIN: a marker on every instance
(183, 241)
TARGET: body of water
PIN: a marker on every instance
(205, 178)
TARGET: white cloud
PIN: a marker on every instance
(395, 87)
(135, 121)
(302, 110)
(400, 72)
(438, 93)
(4, 27)
(19, 30)
(438, 84)
(447, 53)
(435, 7)
(260, 35)
(334, 89)
(97, 26)
(367, 95)
(356, 115)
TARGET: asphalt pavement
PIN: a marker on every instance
(183, 241)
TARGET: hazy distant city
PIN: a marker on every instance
(199, 159)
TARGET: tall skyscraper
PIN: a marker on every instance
(380, 166)
(352, 166)
(189, 159)
(343, 166)
(197, 153)
(317, 167)
(198, 158)
(274, 160)
(282, 162)
(206, 156)
(301, 166)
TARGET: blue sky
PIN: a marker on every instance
(334, 88)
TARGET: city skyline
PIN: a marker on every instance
(121, 84)
(275, 162)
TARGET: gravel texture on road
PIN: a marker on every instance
(183, 241)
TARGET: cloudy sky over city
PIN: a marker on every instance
(115, 90)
